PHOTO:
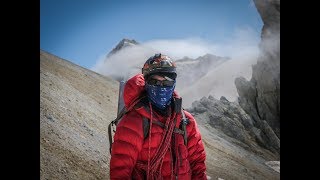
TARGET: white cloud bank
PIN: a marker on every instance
(241, 47)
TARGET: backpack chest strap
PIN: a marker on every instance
(146, 124)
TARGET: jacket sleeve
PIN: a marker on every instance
(196, 152)
(127, 144)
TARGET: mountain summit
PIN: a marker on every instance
(123, 44)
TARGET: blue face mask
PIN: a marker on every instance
(160, 96)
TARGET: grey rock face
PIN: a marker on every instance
(274, 165)
(122, 44)
(231, 119)
(260, 97)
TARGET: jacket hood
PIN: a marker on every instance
(134, 88)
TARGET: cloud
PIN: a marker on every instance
(179, 48)
(124, 63)
(241, 47)
(220, 80)
(242, 42)
(252, 5)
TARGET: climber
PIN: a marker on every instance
(156, 138)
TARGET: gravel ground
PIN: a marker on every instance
(76, 106)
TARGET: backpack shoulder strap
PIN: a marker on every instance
(146, 122)
(115, 122)
(184, 123)
(146, 126)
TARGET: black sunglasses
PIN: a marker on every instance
(156, 82)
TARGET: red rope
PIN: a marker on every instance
(154, 165)
(162, 150)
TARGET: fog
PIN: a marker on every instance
(241, 47)
(219, 81)
(124, 63)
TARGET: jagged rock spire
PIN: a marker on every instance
(123, 44)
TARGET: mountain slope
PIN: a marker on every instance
(76, 106)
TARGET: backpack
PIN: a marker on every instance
(122, 110)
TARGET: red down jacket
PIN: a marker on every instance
(131, 149)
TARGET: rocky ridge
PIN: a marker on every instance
(260, 97)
